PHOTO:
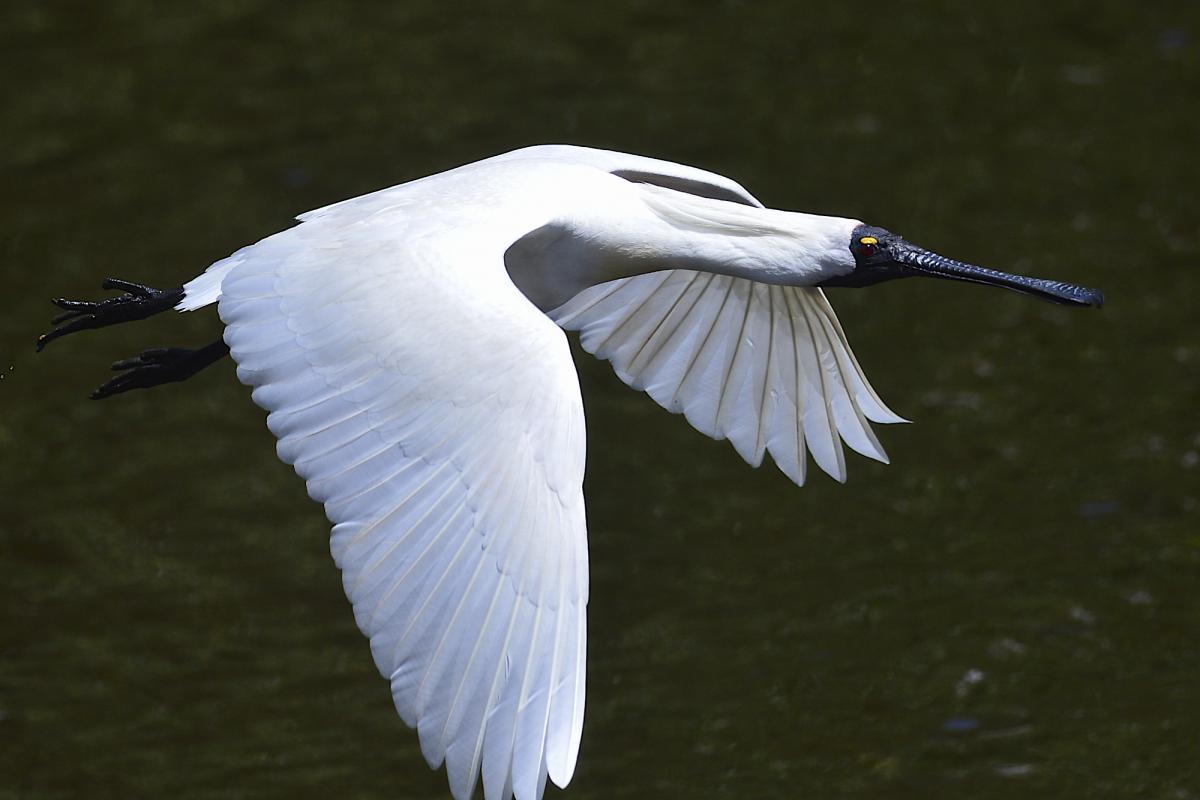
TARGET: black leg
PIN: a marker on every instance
(160, 365)
(138, 302)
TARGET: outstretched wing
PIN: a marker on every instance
(436, 415)
(767, 367)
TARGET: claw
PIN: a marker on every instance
(157, 366)
(73, 308)
(63, 317)
(135, 289)
(78, 323)
(152, 357)
(149, 368)
(137, 302)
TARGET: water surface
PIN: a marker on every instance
(1008, 610)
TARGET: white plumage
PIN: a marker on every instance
(404, 344)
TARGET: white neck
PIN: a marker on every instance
(617, 229)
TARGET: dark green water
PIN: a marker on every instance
(1010, 610)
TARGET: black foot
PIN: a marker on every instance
(138, 302)
(160, 365)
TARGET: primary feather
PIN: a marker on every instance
(764, 366)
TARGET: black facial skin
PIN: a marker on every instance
(880, 255)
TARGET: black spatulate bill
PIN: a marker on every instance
(881, 255)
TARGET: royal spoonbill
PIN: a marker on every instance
(408, 348)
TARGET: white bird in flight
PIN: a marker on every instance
(408, 347)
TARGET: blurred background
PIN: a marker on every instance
(1008, 610)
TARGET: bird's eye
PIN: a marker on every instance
(868, 246)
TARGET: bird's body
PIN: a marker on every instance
(406, 348)
(613, 227)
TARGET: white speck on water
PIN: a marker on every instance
(1011, 732)
(1006, 647)
(1140, 598)
(1014, 770)
(1082, 615)
(970, 679)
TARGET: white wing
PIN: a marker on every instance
(767, 367)
(436, 415)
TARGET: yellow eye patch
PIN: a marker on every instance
(868, 240)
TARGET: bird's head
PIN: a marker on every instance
(880, 255)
